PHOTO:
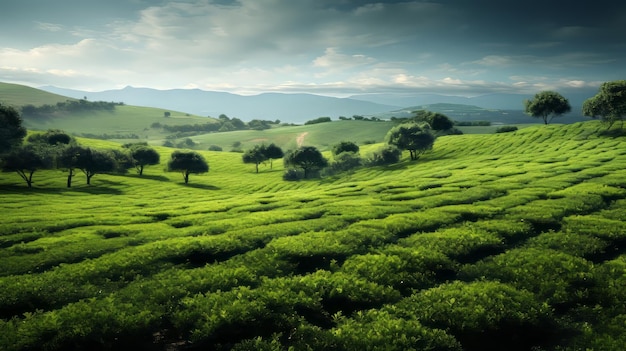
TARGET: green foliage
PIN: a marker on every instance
(386, 155)
(187, 163)
(481, 312)
(413, 137)
(143, 156)
(11, 130)
(256, 155)
(318, 120)
(308, 158)
(521, 249)
(25, 161)
(547, 105)
(506, 129)
(93, 161)
(345, 146)
(51, 137)
(609, 103)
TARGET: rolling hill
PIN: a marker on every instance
(509, 241)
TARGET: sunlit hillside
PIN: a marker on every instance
(506, 241)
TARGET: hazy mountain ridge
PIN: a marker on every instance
(295, 108)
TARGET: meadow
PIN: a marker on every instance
(496, 241)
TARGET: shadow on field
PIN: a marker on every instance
(91, 189)
(150, 177)
(202, 186)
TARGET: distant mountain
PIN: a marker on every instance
(487, 101)
(296, 108)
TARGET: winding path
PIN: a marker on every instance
(300, 138)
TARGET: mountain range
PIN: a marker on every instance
(296, 108)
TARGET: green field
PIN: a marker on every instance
(510, 241)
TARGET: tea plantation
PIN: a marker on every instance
(512, 241)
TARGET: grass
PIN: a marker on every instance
(530, 222)
(19, 95)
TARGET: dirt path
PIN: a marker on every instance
(300, 138)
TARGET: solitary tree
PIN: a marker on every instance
(272, 151)
(93, 161)
(11, 131)
(143, 156)
(256, 155)
(609, 103)
(187, 162)
(25, 161)
(412, 137)
(547, 105)
(345, 146)
(306, 157)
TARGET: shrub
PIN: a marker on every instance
(215, 148)
(385, 156)
(482, 315)
(293, 174)
(506, 129)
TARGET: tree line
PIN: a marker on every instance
(56, 149)
(47, 110)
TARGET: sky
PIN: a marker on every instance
(326, 47)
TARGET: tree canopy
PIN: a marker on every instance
(306, 157)
(187, 162)
(436, 120)
(144, 155)
(547, 105)
(11, 130)
(609, 103)
(345, 146)
(94, 161)
(413, 137)
(25, 161)
(256, 155)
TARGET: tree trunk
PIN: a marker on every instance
(30, 179)
(89, 179)
(257, 167)
(141, 170)
(69, 180)
(186, 175)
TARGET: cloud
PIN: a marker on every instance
(333, 61)
(49, 27)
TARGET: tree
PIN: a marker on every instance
(25, 161)
(143, 156)
(11, 131)
(345, 146)
(412, 137)
(52, 137)
(187, 162)
(272, 151)
(609, 103)
(306, 157)
(436, 120)
(68, 159)
(255, 155)
(93, 161)
(547, 105)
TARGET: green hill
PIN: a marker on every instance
(19, 95)
(507, 241)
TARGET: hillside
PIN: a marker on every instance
(509, 241)
(19, 95)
